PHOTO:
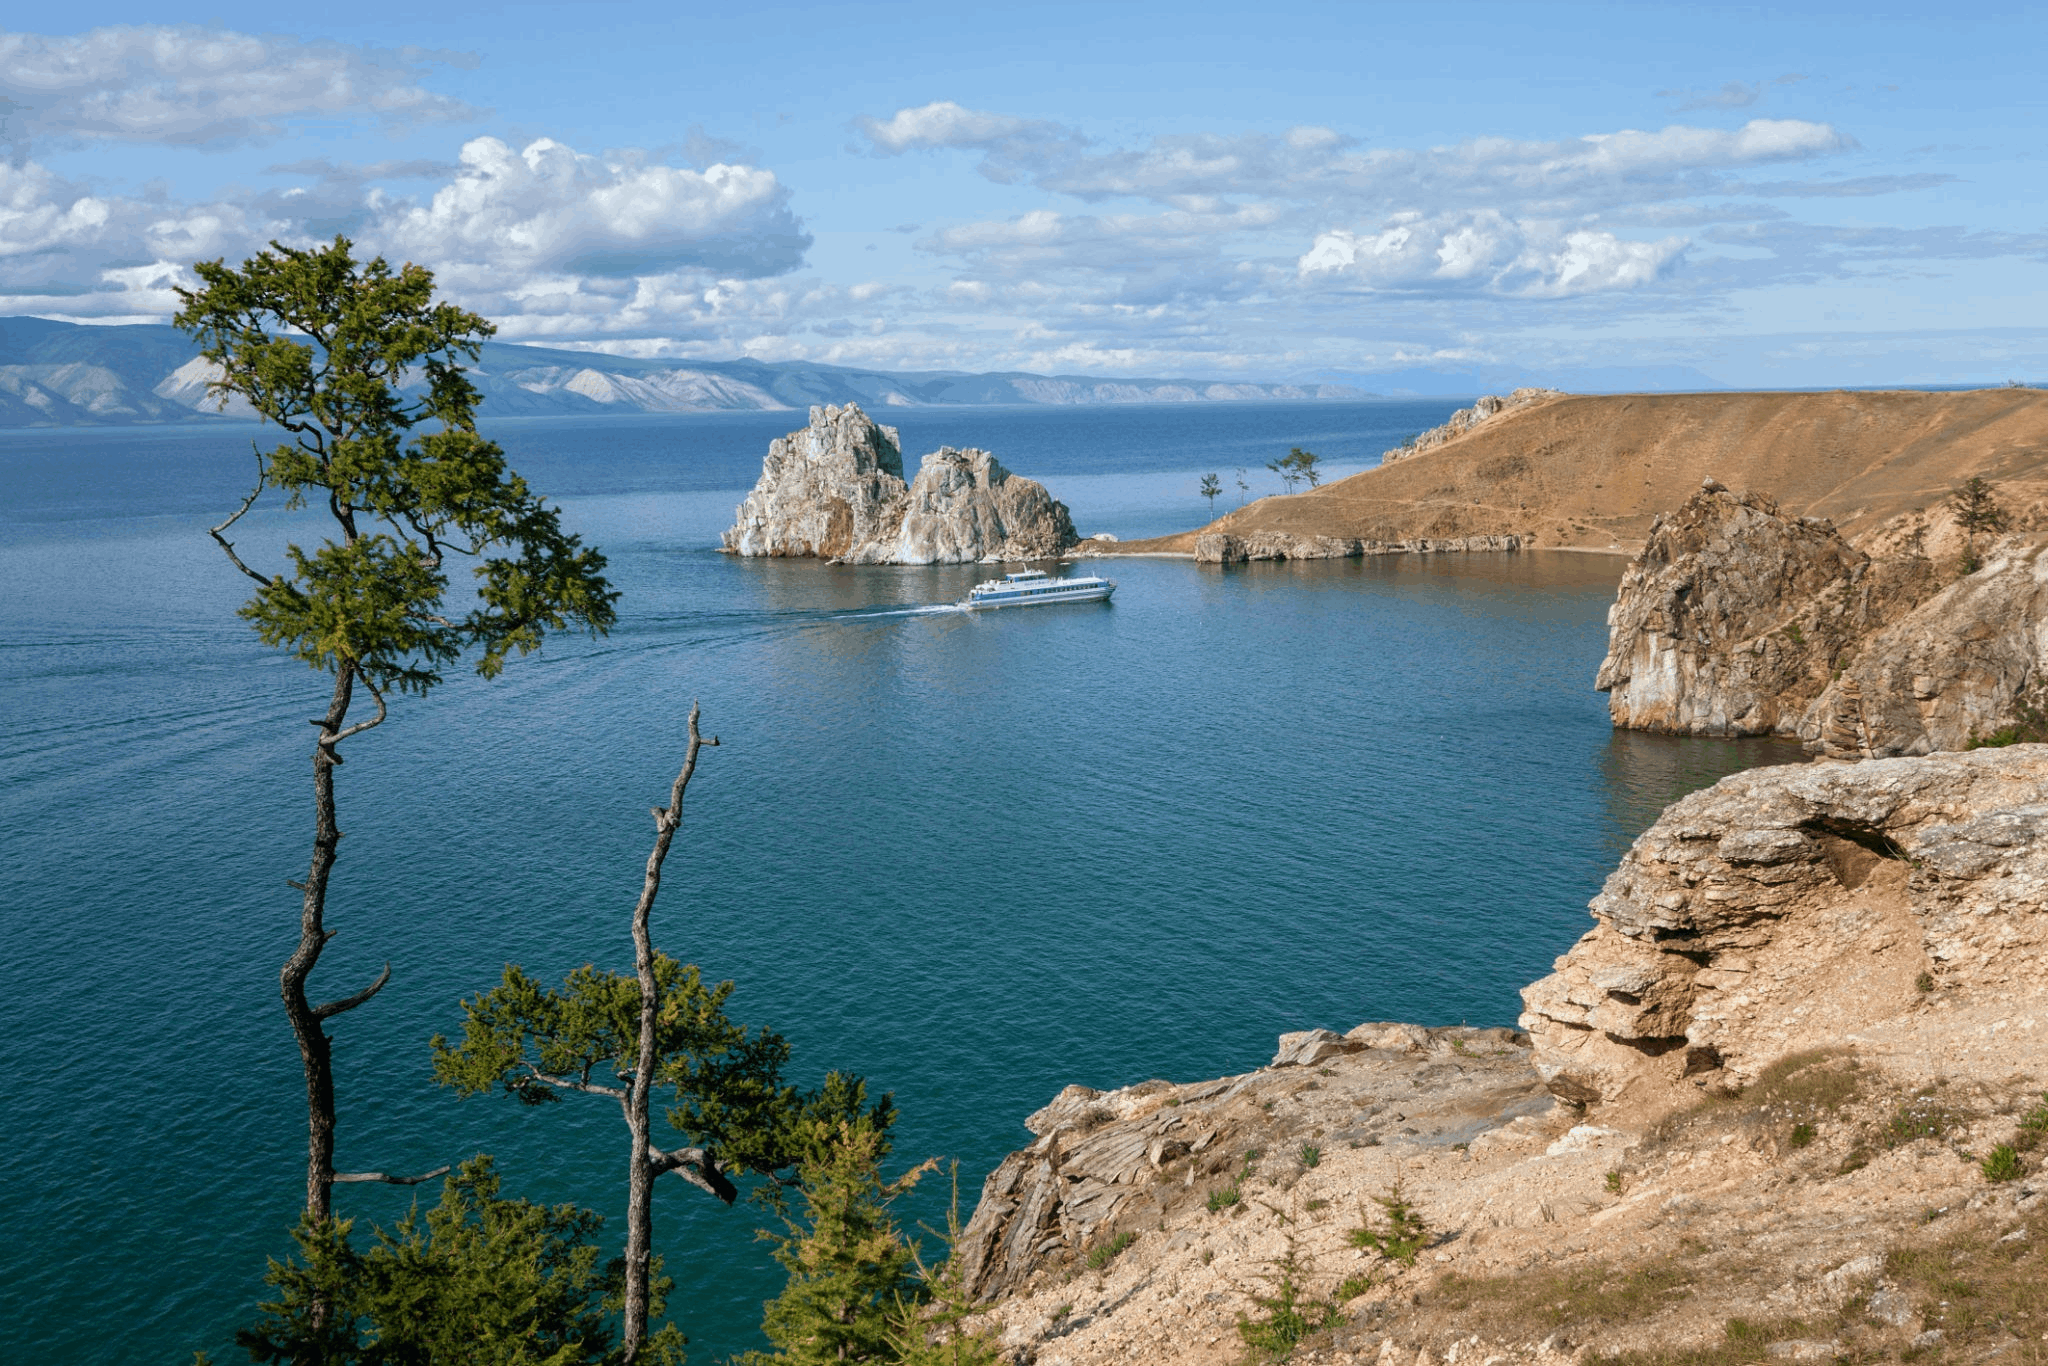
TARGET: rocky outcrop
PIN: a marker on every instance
(1465, 419)
(835, 491)
(1786, 908)
(1219, 547)
(1735, 617)
(1964, 664)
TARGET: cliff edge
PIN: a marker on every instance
(835, 491)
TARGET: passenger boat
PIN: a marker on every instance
(1032, 587)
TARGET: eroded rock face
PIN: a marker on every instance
(1734, 616)
(835, 491)
(1787, 907)
(1465, 419)
(1959, 665)
(1222, 547)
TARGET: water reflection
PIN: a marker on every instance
(1645, 773)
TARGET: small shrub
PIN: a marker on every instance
(1924, 1116)
(1106, 1253)
(1352, 1287)
(1803, 1134)
(2033, 1128)
(1614, 1182)
(1224, 1197)
(1856, 1161)
(1288, 1317)
(2003, 1164)
(1311, 1155)
(1402, 1237)
(1061, 1312)
(1924, 982)
(1795, 635)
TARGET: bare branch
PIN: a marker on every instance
(565, 1084)
(359, 727)
(334, 1008)
(698, 1167)
(388, 1179)
(262, 482)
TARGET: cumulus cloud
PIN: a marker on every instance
(548, 207)
(204, 87)
(1487, 252)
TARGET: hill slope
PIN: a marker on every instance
(1594, 471)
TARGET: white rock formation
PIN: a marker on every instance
(835, 491)
(1464, 420)
(1223, 547)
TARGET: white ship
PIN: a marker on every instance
(1031, 587)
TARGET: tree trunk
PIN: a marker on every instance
(315, 1050)
(642, 1169)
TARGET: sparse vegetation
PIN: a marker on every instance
(1614, 1181)
(1975, 508)
(1288, 1316)
(1403, 1234)
(1108, 1252)
(1925, 981)
(1211, 486)
(1224, 1197)
(1351, 1287)
(1802, 1135)
(1311, 1155)
(2003, 1164)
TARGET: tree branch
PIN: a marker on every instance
(359, 727)
(334, 1008)
(262, 482)
(388, 1179)
(563, 1083)
(698, 1167)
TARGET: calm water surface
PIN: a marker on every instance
(975, 859)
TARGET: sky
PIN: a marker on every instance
(1771, 196)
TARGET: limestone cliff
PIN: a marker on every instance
(1785, 908)
(835, 491)
(1465, 419)
(1219, 547)
(1734, 616)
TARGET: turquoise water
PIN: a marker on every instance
(974, 858)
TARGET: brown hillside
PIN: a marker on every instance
(1594, 471)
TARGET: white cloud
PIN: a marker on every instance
(550, 208)
(1487, 252)
(198, 86)
(942, 123)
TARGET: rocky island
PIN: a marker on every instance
(835, 491)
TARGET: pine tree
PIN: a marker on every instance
(850, 1270)
(1975, 510)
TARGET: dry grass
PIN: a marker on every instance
(1578, 1300)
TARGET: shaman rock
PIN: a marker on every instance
(1734, 617)
(1786, 908)
(835, 490)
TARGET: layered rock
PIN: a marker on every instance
(1790, 907)
(1220, 547)
(1735, 617)
(1465, 419)
(835, 490)
(1962, 665)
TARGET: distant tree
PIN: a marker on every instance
(481, 1281)
(1309, 463)
(850, 1270)
(1243, 488)
(622, 1037)
(362, 370)
(1285, 467)
(1210, 488)
(1975, 510)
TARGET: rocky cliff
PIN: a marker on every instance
(1465, 419)
(1218, 547)
(1737, 619)
(1758, 1115)
(1734, 617)
(1786, 908)
(835, 491)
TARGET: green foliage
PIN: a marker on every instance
(930, 1329)
(1108, 1252)
(2030, 727)
(1223, 1198)
(480, 1281)
(1211, 487)
(1614, 1180)
(1296, 466)
(1288, 1318)
(1311, 1155)
(726, 1081)
(1351, 1287)
(363, 370)
(850, 1271)
(2003, 1164)
(1803, 1134)
(1404, 1234)
(1975, 507)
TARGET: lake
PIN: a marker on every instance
(972, 858)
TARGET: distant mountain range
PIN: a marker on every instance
(55, 374)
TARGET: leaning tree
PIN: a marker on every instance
(362, 370)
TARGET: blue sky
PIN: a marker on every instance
(1821, 194)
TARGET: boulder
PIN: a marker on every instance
(1735, 616)
(835, 490)
(1307, 1047)
(1784, 908)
